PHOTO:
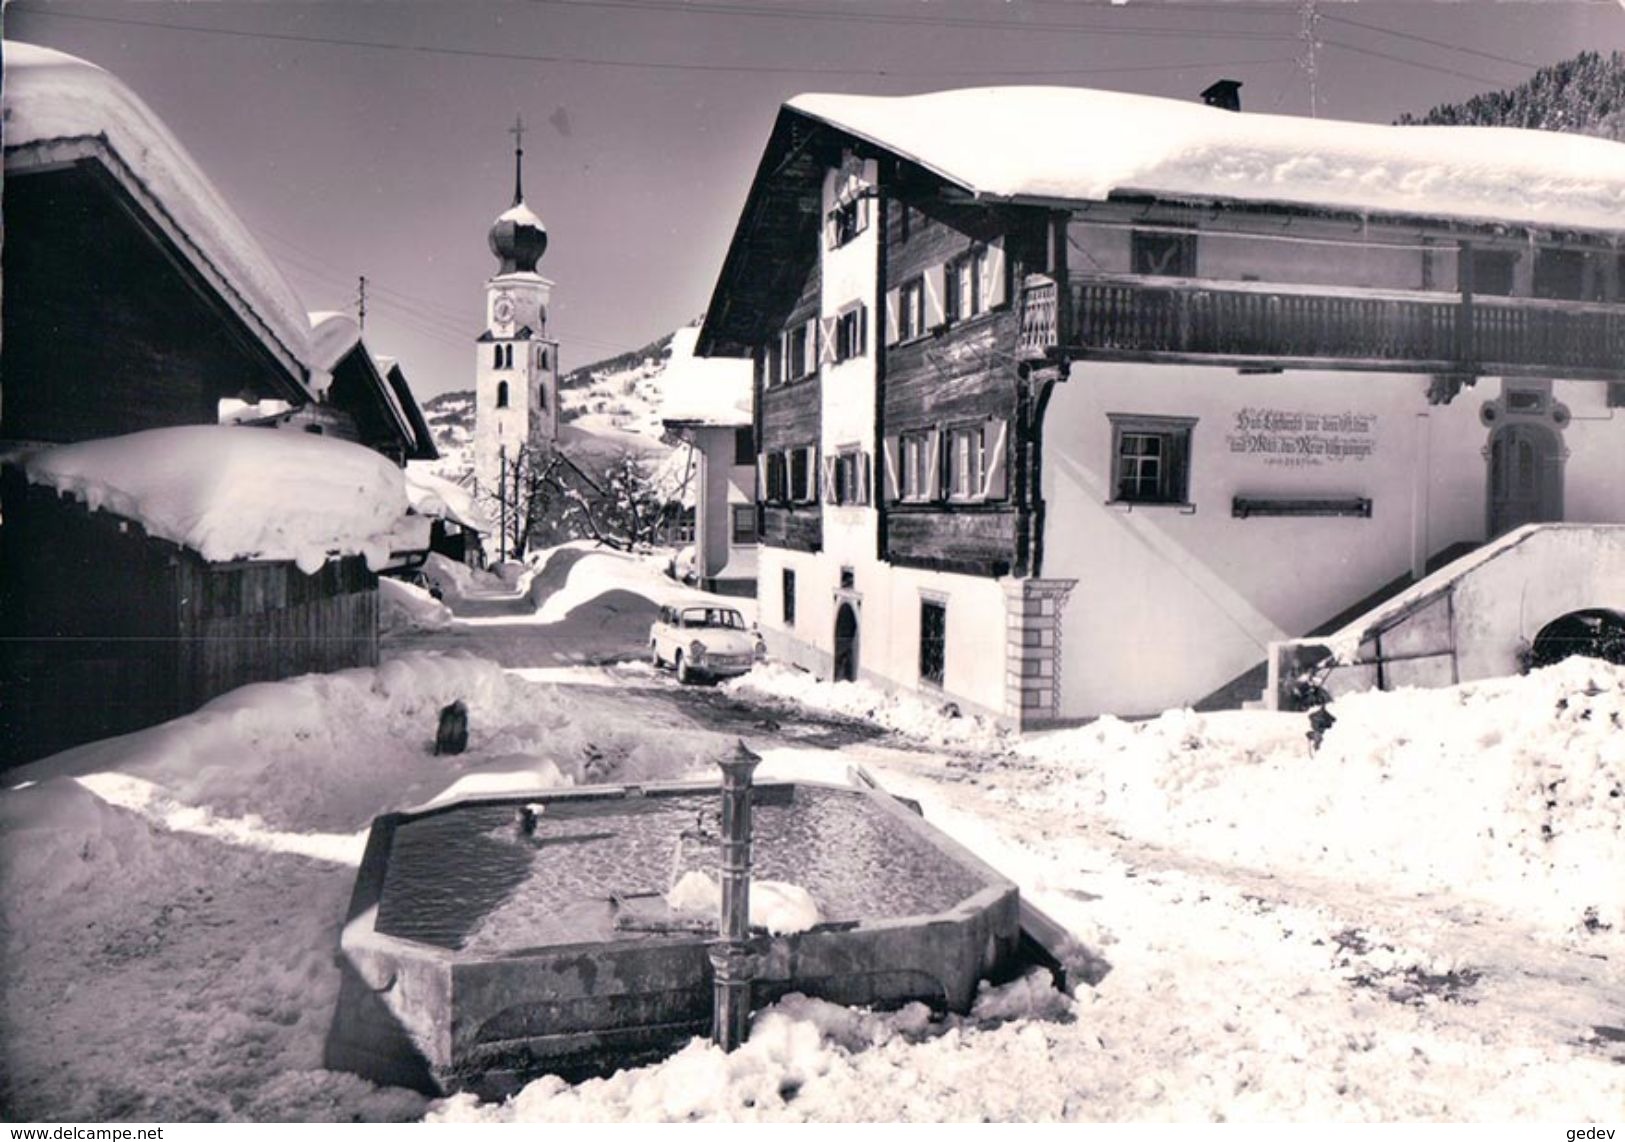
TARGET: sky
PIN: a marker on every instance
(362, 138)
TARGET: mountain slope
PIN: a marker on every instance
(622, 393)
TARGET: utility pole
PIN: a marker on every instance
(1308, 18)
(361, 303)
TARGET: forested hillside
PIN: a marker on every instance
(1585, 95)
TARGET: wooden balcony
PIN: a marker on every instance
(1258, 325)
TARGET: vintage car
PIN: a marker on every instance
(703, 641)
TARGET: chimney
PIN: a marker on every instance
(1226, 93)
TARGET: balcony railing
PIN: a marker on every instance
(1245, 323)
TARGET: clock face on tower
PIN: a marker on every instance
(502, 309)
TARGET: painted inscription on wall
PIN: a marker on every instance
(1283, 438)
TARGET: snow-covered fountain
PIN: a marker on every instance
(493, 939)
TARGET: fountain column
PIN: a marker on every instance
(730, 955)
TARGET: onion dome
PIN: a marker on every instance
(517, 237)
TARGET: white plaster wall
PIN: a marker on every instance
(1172, 603)
(1594, 474)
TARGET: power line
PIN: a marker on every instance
(1348, 47)
(588, 61)
(1426, 40)
(706, 8)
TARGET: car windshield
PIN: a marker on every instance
(721, 617)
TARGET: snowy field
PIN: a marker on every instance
(1422, 921)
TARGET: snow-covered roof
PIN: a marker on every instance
(237, 493)
(332, 336)
(1075, 144)
(522, 215)
(52, 97)
(436, 496)
(704, 390)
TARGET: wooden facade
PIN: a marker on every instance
(787, 417)
(108, 329)
(107, 629)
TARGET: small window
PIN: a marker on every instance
(1493, 272)
(775, 478)
(788, 597)
(744, 447)
(775, 362)
(541, 397)
(541, 357)
(1162, 254)
(965, 298)
(933, 641)
(795, 357)
(849, 479)
(496, 356)
(914, 456)
(911, 310)
(1151, 459)
(847, 221)
(502, 394)
(744, 524)
(848, 579)
(966, 463)
(801, 477)
(849, 334)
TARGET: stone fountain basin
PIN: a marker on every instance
(476, 956)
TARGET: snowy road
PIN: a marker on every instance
(172, 900)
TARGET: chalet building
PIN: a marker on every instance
(136, 302)
(1072, 402)
(707, 404)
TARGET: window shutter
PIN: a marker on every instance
(995, 434)
(936, 288)
(933, 466)
(890, 448)
(993, 276)
(893, 331)
(862, 346)
(826, 340)
(829, 478)
(830, 232)
(1176, 478)
(761, 477)
(864, 204)
(809, 349)
(865, 479)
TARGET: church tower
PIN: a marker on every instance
(516, 390)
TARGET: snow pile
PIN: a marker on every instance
(405, 607)
(705, 390)
(937, 721)
(811, 1060)
(775, 905)
(1510, 790)
(51, 95)
(170, 900)
(1079, 144)
(241, 493)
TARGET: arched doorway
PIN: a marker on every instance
(1525, 477)
(1594, 634)
(846, 644)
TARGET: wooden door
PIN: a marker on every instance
(1525, 477)
(846, 644)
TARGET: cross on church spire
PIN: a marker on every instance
(518, 133)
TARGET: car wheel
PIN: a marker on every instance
(654, 655)
(684, 675)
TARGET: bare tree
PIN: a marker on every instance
(548, 496)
